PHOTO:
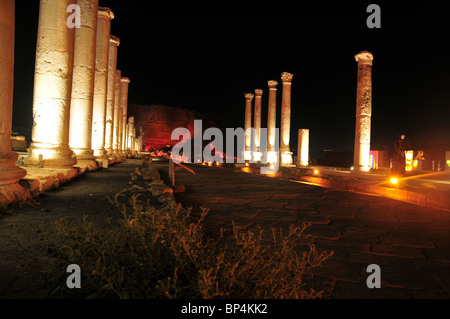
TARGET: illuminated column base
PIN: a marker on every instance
(257, 156)
(272, 157)
(247, 155)
(46, 155)
(286, 158)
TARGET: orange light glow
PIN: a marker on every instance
(394, 181)
(246, 164)
(316, 172)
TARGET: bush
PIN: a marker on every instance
(159, 252)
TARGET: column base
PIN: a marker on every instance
(257, 156)
(286, 158)
(272, 157)
(84, 154)
(247, 155)
(9, 172)
(44, 155)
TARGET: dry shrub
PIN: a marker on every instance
(160, 253)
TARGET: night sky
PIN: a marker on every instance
(206, 56)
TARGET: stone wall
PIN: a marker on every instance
(158, 122)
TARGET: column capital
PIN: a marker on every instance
(272, 84)
(286, 77)
(125, 79)
(249, 96)
(364, 57)
(105, 13)
(113, 40)
(258, 92)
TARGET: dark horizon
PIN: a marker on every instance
(205, 57)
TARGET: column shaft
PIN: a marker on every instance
(111, 94)
(363, 112)
(248, 125)
(105, 16)
(117, 113)
(9, 172)
(272, 152)
(303, 148)
(80, 132)
(257, 125)
(286, 119)
(52, 87)
(124, 104)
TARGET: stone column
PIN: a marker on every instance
(257, 126)
(105, 16)
(52, 87)
(125, 82)
(130, 140)
(117, 113)
(271, 122)
(363, 112)
(111, 94)
(285, 151)
(80, 131)
(9, 172)
(248, 125)
(303, 148)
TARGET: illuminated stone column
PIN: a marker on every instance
(117, 113)
(105, 16)
(257, 126)
(9, 172)
(114, 42)
(285, 151)
(363, 112)
(248, 125)
(271, 122)
(52, 87)
(124, 84)
(303, 148)
(80, 132)
(130, 139)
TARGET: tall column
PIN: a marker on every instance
(52, 87)
(9, 172)
(363, 112)
(285, 151)
(257, 126)
(111, 94)
(80, 129)
(303, 148)
(117, 113)
(271, 122)
(125, 82)
(130, 140)
(248, 125)
(105, 16)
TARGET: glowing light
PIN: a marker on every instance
(394, 181)
(272, 157)
(286, 158)
(316, 172)
(409, 156)
(257, 156)
(247, 155)
(246, 164)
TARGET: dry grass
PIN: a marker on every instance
(160, 253)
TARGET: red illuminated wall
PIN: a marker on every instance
(158, 122)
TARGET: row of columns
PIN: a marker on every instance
(362, 127)
(80, 98)
(253, 152)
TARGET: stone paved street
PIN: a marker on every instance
(410, 243)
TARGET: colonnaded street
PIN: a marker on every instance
(408, 242)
